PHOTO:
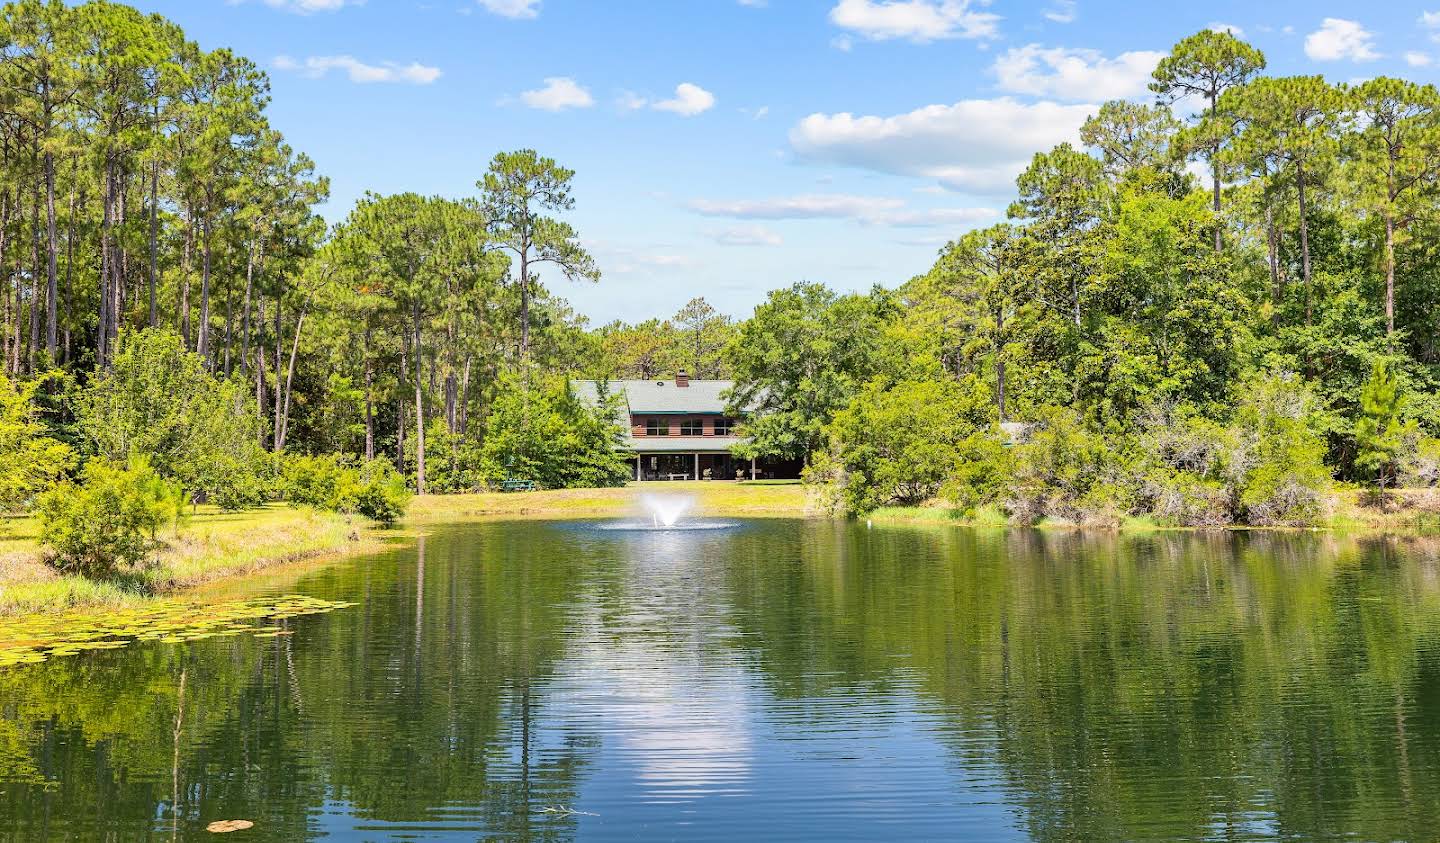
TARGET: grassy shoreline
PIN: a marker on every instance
(208, 547)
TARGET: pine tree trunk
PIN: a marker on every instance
(52, 268)
(1389, 274)
(1304, 242)
(203, 346)
(419, 410)
(154, 234)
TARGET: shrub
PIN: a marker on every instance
(158, 400)
(29, 459)
(375, 489)
(1067, 471)
(899, 443)
(1278, 461)
(545, 434)
(109, 519)
(380, 493)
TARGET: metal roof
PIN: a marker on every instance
(661, 396)
(682, 444)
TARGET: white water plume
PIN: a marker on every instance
(665, 510)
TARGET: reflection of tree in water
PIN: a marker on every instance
(1136, 687)
(407, 706)
(1175, 686)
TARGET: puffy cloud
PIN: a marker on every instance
(517, 9)
(972, 145)
(1231, 28)
(689, 100)
(559, 93)
(1415, 58)
(1338, 38)
(870, 210)
(919, 21)
(1074, 74)
(358, 71)
(747, 235)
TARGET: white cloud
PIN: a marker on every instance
(689, 100)
(1430, 19)
(308, 7)
(1338, 38)
(974, 145)
(358, 71)
(1415, 58)
(1231, 28)
(517, 9)
(870, 210)
(919, 21)
(1074, 74)
(559, 93)
(1061, 11)
(747, 235)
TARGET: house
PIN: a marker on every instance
(679, 430)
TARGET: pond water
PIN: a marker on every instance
(777, 679)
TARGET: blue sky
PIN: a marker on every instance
(728, 147)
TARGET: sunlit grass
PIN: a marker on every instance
(208, 545)
(712, 498)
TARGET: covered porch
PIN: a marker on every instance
(696, 465)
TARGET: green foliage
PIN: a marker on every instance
(108, 520)
(452, 461)
(898, 444)
(801, 358)
(158, 401)
(544, 434)
(1062, 470)
(1380, 434)
(30, 460)
(1280, 458)
(373, 489)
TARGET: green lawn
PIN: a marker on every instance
(208, 545)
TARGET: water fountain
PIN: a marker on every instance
(666, 509)
(667, 512)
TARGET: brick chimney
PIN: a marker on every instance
(681, 378)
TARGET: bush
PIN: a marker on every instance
(545, 434)
(1067, 471)
(375, 489)
(900, 443)
(158, 400)
(379, 492)
(29, 459)
(109, 519)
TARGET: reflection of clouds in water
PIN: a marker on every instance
(652, 671)
(681, 725)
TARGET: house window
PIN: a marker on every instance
(692, 427)
(724, 427)
(657, 427)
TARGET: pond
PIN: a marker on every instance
(778, 679)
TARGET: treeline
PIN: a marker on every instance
(1132, 343)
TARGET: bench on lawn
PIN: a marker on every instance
(517, 486)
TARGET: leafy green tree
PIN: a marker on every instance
(1206, 65)
(1397, 160)
(899, 443)
(798, 360)
(109, 519)
(30, 460)
(159, 402)
(1290, 123)
(1380, 434)
(1133, 137)
(517, 191)
(704, 332)
(541, 432)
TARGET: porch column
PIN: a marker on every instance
(638, 475)
(697, 466)
(752, 468)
